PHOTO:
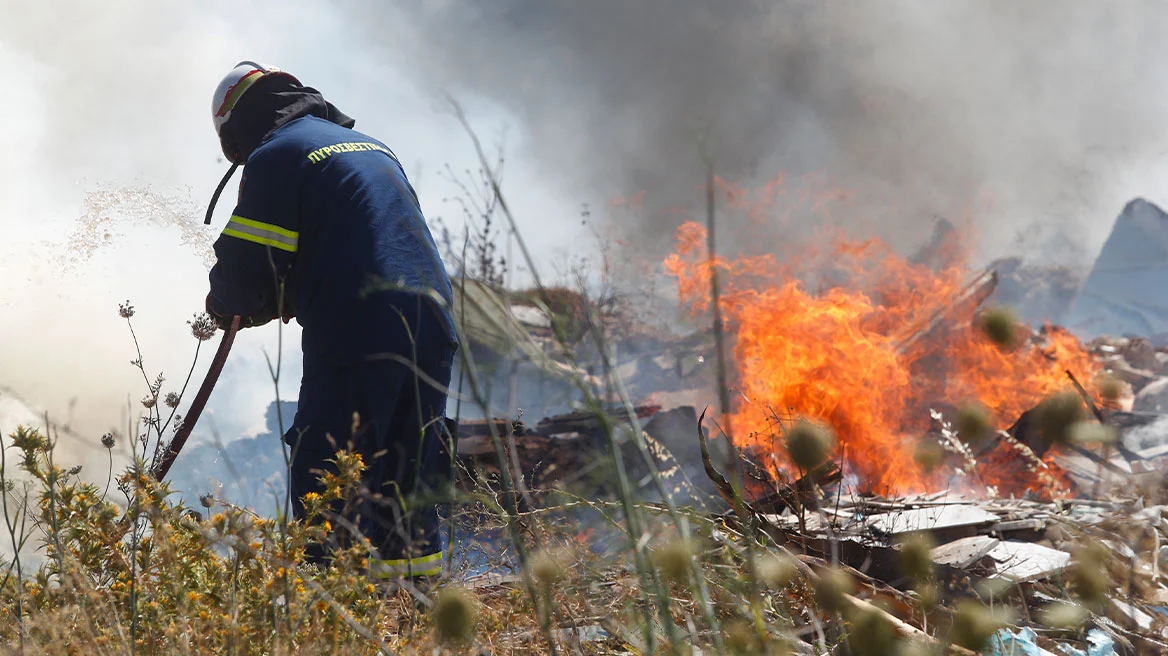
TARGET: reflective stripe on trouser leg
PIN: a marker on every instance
(428, 565)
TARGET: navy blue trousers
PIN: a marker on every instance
(390, 408)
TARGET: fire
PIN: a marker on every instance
(841, 354)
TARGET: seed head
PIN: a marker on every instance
(974, 624)
(549, 567)
(674, 560)
(1063, 615)
(149, 401)
(207, 500)
(916, 561)
(741, 637)
(1001, 327)
(203, 326)
(833, 585)
(1090, 432)
(455, 614)
(776, 571)
(928, 595)
(872, 634)
(75, 470)
(172, 399)
(809, 444)
(125, 310)
(1110, 388)
(107, 440)
(1056, 414)
(928, 454)
(973, 423)
(1088, 573)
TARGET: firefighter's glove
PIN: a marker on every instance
(224, 321)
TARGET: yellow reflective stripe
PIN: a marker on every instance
(428, 565)
(260, 240)
(263, 233)
(270, 227)
(420, 560)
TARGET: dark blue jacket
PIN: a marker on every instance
(327, 214)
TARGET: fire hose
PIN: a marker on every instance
(199, 403)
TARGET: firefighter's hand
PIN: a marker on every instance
(223, 322)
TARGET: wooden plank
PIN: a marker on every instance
(587, 420)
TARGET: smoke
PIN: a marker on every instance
(1039, 120)
(108, 161)
(1036, 120)
(109, 157)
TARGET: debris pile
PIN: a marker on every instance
(571, 451)
(1027, 555)
(1139, 364)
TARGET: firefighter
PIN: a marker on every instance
(328, 230)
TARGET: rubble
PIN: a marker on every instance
(1027, 545)
(571, 450)
(1152, 397)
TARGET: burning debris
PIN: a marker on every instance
(1022, 552)
(1014, 466)
(884, 377)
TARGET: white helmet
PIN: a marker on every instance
(233, 86)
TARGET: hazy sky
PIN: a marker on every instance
(1053, 111)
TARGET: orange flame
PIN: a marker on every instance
(834, 355)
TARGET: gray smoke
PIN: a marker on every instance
(1037, 120)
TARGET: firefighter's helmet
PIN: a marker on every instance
(234, 85)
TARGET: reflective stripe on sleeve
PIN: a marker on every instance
(263, 233)
(428, 565)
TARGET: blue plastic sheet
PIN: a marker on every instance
(1008, 643)
(1098, 644)
(1024, 642)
